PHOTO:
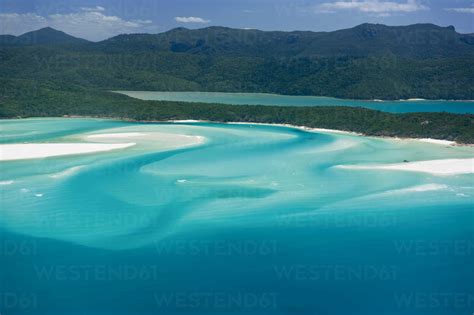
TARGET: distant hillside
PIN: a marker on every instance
(416, 41)
(44, 36)
(369, 61)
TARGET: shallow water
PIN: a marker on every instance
(459, 107)
(256, 219)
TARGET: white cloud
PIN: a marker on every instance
(96, 9)
(89, 23)
(380, 8)
(461, 10)
(190, 19)
(16, 24)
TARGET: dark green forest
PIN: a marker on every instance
(369, 61)
(49, 73)
(39, 100)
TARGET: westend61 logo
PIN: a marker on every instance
(360, 220)
(95, 220)
(435, 248)
(18, 247)
(436, 301)
(97, 272)
(217, 300)
(336, 272)
(217, 247)
(17, 301)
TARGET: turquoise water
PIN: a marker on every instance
(254, 220)
(459, 107)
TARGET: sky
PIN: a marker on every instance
(100, 19)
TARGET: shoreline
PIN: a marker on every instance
(112, 140)
(353, 133)
(411, 99)
(444, 142)
(444, 167)
(331, 131)
(27, 151)
(95, 143)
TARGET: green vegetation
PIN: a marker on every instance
(365, 62)
(49, 73)
(52, 101)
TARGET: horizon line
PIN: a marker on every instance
(241, 29)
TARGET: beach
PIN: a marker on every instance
(96, 143)
(345, 132)
(116, 139)
(25, 151)
(445, 167)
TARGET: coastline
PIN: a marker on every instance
(113, 139)
(444, 142)
(95, 143)
(444, 167)
(26, 151)
(335, 131)
(411, 99)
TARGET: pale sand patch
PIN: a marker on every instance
(25, 151)
(117, 135)
(435, 167)
(323, 130)
(343, 132)
(186, 121)
(337, 145)
(425, 140)
(334, 131)
(331, 131)
(437, 141)
(160, 139)
(67, 172)
(102, 143)
(419, 188)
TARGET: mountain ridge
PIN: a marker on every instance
(216, 27)
(413, 41)
(42, 36)
(423, 40)
(369, 61)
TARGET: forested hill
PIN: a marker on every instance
(365, 62)
(413, 41)
(44, 36)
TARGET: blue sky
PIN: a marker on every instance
(101, 19)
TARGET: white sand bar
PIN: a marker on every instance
(435, 167)
(101, 143)
(123, 135)
(160, 140)
(24, 151)
(437, 141)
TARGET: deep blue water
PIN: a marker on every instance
(459, 107)
(255, 220)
